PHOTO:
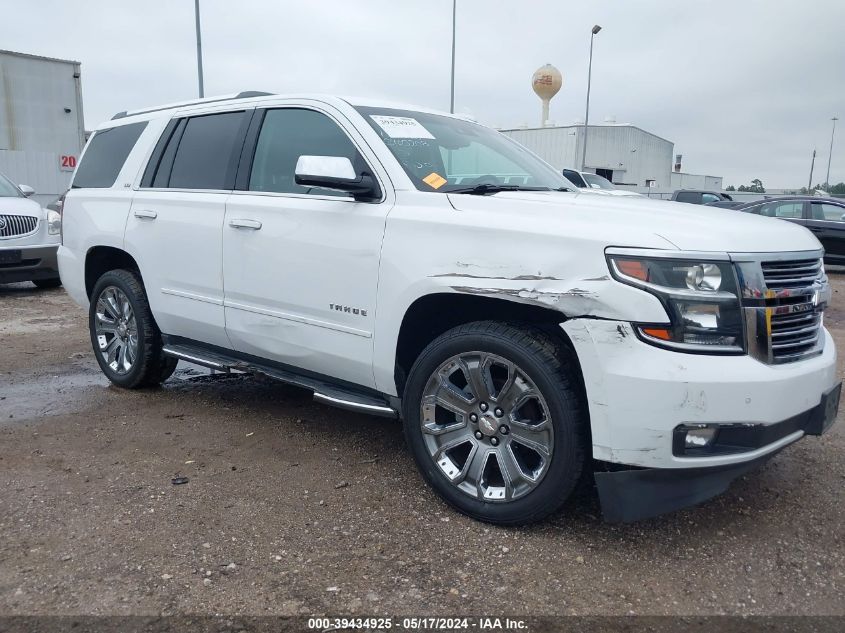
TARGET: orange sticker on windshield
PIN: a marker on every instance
(435, 180)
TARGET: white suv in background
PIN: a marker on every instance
(594, 183)
(526, 334)
(29, 238)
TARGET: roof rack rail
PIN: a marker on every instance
(246, 94)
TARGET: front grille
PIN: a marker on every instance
(796, 318)
(794, 274)
(17, 225)
(793, 337)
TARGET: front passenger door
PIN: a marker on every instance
(301, 264)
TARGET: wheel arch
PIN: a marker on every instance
(101, 259)
(431, 315)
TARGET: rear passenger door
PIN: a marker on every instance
(174, 229)
(301, 264)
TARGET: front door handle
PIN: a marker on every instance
(145, 213)
(240, 223)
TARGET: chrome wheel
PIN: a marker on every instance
(487, 426)
(116, 330)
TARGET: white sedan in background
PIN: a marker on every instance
(29, 238)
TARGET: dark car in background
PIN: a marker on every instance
(825, 217)
(699, 196)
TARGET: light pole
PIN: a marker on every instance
(199, 48)
(452, 92)
(812, 165)
(595, 30)
(830, 154)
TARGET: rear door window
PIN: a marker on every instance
(829, 212)
(574, 177)
(104, 157)
(689, 196)
(207, 153)
(783, 210)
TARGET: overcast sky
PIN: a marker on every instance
(744, 88)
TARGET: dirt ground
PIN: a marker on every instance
(297, 508)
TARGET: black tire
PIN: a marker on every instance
(55, 282)
(553, 368)
(151, 366)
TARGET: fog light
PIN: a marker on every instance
(700, 438)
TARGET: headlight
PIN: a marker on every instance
(700, 298)
(54, 223)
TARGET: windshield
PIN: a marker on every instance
(7, 189)
(444, 154)
(597, 182)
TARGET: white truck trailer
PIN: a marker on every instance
(42, 130)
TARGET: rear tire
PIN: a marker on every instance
(55, 282)
(510, 444)
(124, 335)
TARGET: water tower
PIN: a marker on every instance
(546, 82)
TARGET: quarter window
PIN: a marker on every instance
(288, 133)
(104, 157)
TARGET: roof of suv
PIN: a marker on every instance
(260, 96)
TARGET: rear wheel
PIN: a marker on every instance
(126, 340)
(494, 416)
(55, 282)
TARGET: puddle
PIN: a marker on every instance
(47, 395)
(59, 393)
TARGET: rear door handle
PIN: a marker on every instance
(146, 213)
(240, 223)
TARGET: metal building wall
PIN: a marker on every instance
(633, 154)
(41, 120)
(555, 145)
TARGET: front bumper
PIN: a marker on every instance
(632, 495)
(36, 262)
(638, 394)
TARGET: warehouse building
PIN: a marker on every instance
(626, 155)
(42, 130)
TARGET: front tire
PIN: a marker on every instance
(126, 341)
(494, 415)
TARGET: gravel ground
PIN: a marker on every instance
(295, 508)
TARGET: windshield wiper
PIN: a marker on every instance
(487, 189)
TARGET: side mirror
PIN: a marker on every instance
(338, 174)
(26, 190)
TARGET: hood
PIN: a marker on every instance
(19, 206)
(641, 222)
(614, 192)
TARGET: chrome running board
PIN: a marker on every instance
(325, 391)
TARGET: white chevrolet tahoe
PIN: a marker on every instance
(408, 263)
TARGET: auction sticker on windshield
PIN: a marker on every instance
(401, 126)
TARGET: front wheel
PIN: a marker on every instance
(127, 342)
(495, 418)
